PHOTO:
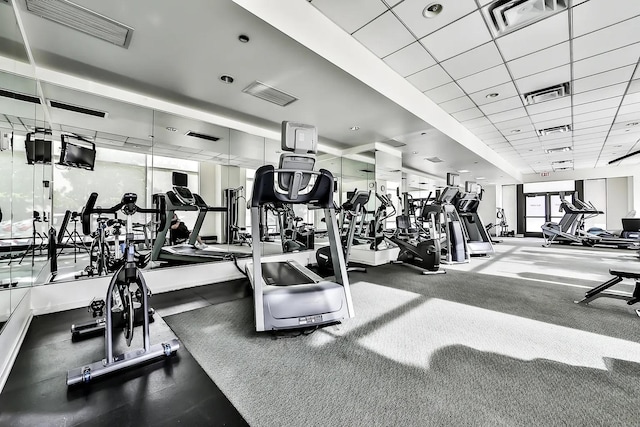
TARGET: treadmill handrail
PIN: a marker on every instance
(264, 188)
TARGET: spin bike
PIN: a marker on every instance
(127, 276)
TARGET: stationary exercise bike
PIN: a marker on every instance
(126, 286)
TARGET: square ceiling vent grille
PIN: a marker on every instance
(269, 93)
(82, 19)
(505, 16)
(547, 94)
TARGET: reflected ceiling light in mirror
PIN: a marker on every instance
(226, 78)
(354, 128)
(480, 178)
(515, 131)
(463, 171)
(415, 152)
(432, 10)
(171, 129)
(633, 124)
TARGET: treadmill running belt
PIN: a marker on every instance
(283, 274)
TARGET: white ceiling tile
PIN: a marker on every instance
(629, 117)
(410, 12)
(631, 98)
(515, 113)
(609, 38)
(630, 109)
(544, 79)
(634, 87)
(595, 115)
(538, 36)
(471, 113)
(592, 131)
(462, 35)
(485, 79)
(526, 133)
(350, 15)
(597, 105)
(543, 117)
(504, 91)
(480, 126)
(555, 104)
(596, 14)
(606, 61)
(599, 94)
(607, 78)
(457, 104)
(552, 57)
(593, 123)
(500, 106)
(473, 61)
(445, 93)
(493, 137)
(586, 135)
(430, 78)
(560, 121)
(384, 35)
(518, 123)
(410, 59)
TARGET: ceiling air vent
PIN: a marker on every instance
(269, 93)
(434, 159)
(547, 94)
(82, 19)
(508, 15)
(202, 136)
(19, 96)
(394, 143)
(555, 129)
(77, 109)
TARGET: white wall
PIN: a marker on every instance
(595, 191)
(617, 202)
(510, 206)
(487, 208)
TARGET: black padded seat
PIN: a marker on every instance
(625, 274)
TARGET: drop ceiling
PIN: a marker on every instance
(456, 61)
(178, 54)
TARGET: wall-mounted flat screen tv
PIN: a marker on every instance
(37, 146)
(77, 152)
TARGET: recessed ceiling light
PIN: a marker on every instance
(515, 131)
(557, 150)
(423, 133)
(463, 171)
(243, 38)
(170, 129)
(492, 95)
(354, 128)
(432, 10)
(150, 136)
(480, 178)
(226, 78)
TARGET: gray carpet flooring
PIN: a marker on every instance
(454, 349)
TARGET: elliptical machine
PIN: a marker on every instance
(120, 288)
(352, 209)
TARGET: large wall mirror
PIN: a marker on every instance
(21, 120)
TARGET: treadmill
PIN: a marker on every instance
(181, 199)
(467, 203)
(286, 294)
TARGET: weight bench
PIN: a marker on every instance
(601, 290)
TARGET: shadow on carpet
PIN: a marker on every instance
(414, 359)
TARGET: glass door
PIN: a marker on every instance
(535, 214)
